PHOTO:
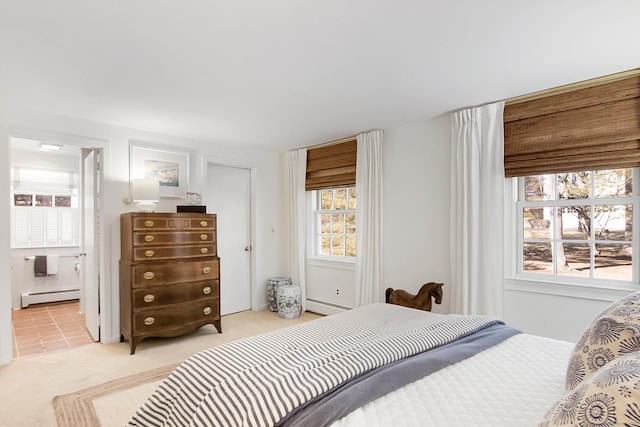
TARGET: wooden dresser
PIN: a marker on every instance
(169, 275)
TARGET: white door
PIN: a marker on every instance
(228, 195)
(89, 267)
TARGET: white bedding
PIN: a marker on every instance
(511, 384)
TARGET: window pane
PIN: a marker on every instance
(23, 199)
(340, 199)
(574, 185)
(337, 245)
(537, 258)
(612, 221)
(574, 259)
(575, 223)
(325, 248)
(351, 246)
(539, 187)
(326, 199)
(338, 223)
(613, 183)
(536, 223)
(63, 201)
(351, 223)
(325, 223)
(44, 200)
(613, 261)
(352, 198)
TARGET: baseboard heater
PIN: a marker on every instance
(53, 296)
(323, 307)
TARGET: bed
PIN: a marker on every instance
(384, 364)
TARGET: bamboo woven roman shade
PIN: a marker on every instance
(593, 127)
(332, 166)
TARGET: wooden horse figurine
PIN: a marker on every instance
(421, 301)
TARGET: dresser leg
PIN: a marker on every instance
(134, 343)
(218, 325)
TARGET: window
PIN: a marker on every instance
(578, 224)
(335, 223)
(44, 212)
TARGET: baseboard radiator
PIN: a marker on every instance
(53, 296)
(323, 307)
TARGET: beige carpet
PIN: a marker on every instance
(103, 382)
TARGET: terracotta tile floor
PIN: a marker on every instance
(45, 328)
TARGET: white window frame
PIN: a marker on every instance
(571, 286)
(315, 229)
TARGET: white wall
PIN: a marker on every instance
(266, 172)
(416, 168)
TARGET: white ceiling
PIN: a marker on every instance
(293, 73)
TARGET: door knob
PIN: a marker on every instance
(248, 248)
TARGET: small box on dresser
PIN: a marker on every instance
(169, 275)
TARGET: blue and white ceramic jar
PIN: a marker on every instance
(289, 301)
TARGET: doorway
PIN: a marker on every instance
(228, 195)
(55, 195)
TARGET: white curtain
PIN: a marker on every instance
(296, 168)
(477, 210)
(369, 218)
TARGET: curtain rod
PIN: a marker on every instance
(572, 86)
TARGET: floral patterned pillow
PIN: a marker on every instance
(615, 332)
(610, 397)
(627, 311)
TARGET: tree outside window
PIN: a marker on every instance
(578, 224)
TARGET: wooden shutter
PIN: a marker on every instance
(593, 127)
(331, 166)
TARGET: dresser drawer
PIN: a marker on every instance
(175, 272)
(154, 296)
(162, 319)
(151, 253)
(159, 223)
(178, 237)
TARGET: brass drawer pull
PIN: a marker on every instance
(149, 275)
(204, 250)
(148, 223)
(149, 253)
(207, 311)
(203, 223)
(149, 238)
(149, 298)
(203, 237)
(206, 290)
(149, 321)
(206, 270)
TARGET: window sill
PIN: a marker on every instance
(332, 263)
(605, 292)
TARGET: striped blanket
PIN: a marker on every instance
(257, 381)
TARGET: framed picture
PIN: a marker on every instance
(169, 167)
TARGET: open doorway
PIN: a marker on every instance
(52, 274)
